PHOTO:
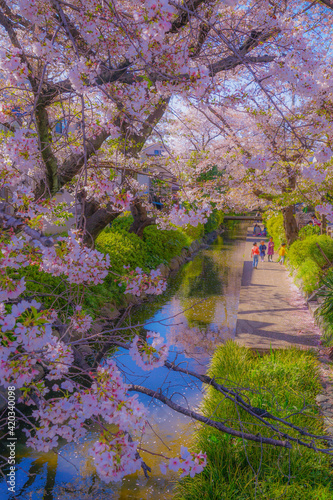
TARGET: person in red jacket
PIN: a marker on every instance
(255, 255)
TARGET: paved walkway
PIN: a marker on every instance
(271, 313)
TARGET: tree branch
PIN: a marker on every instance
(136, 141)
(328, 3)
(97, 221)
(16, 223)
(185, 12)
(49, 158)
(231, 62)
(72, 165)
(205, 420)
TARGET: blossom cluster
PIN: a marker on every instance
(326, 209)
(29, 339)
(188, 463)
(324, 154)
(12, 255)
(138, 282)
(12, 66)
(81, 73)
(21, 154)
(81, 321)
(106, 191)
(258, 162)
(310, 172)
(180, 217)
(149, 356)
(79, 263)
(107, 399)
(115, 457)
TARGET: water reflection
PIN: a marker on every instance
(197, 314)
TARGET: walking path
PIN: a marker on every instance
(270, 313)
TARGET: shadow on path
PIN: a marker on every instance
(267, 314)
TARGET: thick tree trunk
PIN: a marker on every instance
(290, 225)
(141, 219)
(93, 222)
(323, 227)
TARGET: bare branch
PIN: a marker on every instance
(205, 420)
(232, 62)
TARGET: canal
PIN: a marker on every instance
(198, 312)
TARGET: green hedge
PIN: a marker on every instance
(162, 245)
(306, 258)
(310, 274)
(325, 309)
(54, 291)
(156, 247)
(275, 229)
(124, 249)
(193, 232)
(51, 290)
(122, 223)
(301, 250)
(308, 230)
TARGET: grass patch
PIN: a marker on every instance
(282, 383)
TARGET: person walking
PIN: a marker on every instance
(262, 250)
(256, 230)
(255, 255)
(282, 253)
(270, 251)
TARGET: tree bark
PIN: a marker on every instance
(49, 158)
(141, 219)
(290, 225)
(95, 223)
(323, 227)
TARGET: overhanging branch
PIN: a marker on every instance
(207, 421)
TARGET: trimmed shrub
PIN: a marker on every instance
(162, 245)
(301, 250)
(121, 223)
(275, 229)
(43, 286)
(54, 292)
(308, 230)
(310, 273)
(124, 249)
(325, 309)
(194, 233)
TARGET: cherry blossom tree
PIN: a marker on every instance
(84, 85)
(104, 74)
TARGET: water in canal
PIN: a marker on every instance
(197, 313)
